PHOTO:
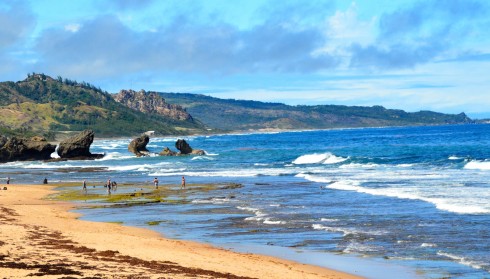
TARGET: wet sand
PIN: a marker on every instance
(42, 238)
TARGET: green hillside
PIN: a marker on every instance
(239, 115)
(43, 105)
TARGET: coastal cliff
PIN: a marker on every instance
(42, 105)
(151, 102)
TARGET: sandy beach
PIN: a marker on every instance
(41, 237)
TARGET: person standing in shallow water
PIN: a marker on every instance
(109, 186)
(85, 186)
(8, 179)
(155, 181)
(182, 186)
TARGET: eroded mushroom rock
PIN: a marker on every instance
(138, 145)
(185, 148)
(78, 147)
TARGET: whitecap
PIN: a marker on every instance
(325, 158)
(247, 208)
(198, 158)
(270, 222)
(461, 260)
(453, 202)
(478, 165)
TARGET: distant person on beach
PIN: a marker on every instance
(114, 186)
(182, 186)
(155, 181)
(8, 179)
(45, 181)
(85, 186)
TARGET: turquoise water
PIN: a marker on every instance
(418, 197)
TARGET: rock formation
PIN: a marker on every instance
(78, 147)
(3, 140)
(185, 148)
(21, 149)
(151, 102)
(138, 145)
(167, 152)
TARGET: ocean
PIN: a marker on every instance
(417, 198)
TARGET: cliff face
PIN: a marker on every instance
(151, 102)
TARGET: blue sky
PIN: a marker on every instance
(411, 55)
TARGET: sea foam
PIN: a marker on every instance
(323, 158)
(461, 260)
(450, 201)
(478, 165)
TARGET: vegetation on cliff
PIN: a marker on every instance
(239, 115)
(43, 105)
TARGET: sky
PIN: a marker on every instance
(410, 55)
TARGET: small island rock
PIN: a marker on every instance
(78, 147)
(138, 145)
(185, 148)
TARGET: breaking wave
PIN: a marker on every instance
(324, 158)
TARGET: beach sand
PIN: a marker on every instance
(40, 237)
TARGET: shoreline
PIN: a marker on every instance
(42, 238)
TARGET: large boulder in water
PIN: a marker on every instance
(21, 149)
(78, 147)
(185, 148)
(138, 145)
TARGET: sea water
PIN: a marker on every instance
(417, 197)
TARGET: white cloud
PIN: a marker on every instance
(343, 29)
(74, 27)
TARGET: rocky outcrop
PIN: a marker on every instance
(21, 149)
(138, 145)
(185, 148)
(167, 152)
(3, 140)
(78, 147)
(151, 102)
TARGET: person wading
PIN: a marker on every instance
(155, 181)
